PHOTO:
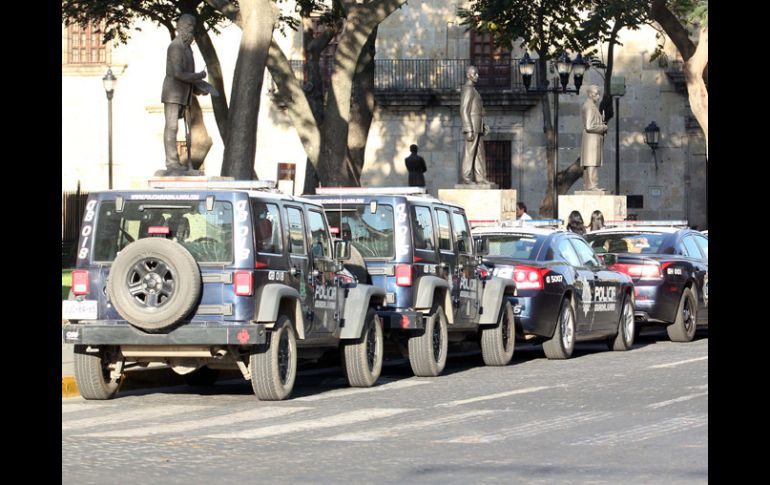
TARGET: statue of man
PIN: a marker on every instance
(180, 83)
(593, 139)
(471, 110)
(415, 164)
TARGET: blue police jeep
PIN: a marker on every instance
(419, 250)
(220, 275)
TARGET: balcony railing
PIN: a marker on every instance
(437, 75)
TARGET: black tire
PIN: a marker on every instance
(202, 377)
(428, 350)
(92, 372)
(274, 365)
(561, 345)
(154, 283)
(498, 342)
(683, 328)
(624, 339)
(357, 266)
(362, 358)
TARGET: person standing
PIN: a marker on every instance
(593, 139)
(575, 223)
(521, 212)
(471, 112)
(415, 164)
(597, 221)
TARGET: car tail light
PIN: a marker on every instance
(642, 271)
(529, 278)
(244, 283)
(260, 264)
(153, 230)
(80, 282)
(404, 275)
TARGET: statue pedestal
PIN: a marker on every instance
(482, 204)
(144, 182)
(612, 207)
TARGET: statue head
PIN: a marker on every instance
(472, 73)
(185, 27)
(593, 92)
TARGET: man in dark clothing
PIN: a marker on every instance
(416, 166)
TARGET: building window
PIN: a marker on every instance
(499, 162)
(494, 63)
(85, 45)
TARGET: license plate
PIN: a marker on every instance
(78, 310)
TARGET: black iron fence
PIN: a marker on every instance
(432, 74)
(72, 206)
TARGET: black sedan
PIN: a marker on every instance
(564, 292)
(669, 267)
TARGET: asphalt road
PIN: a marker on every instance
(601, 417)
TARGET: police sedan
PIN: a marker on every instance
(564, 292)
(669, 266)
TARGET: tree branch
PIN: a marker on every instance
(673, 28)
(228, 9)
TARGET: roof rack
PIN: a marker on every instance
(371, 190)
(621, 223)
(546, 223)
(206, 183)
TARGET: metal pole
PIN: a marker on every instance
(617, 145)
(109, 137)
(556, 152)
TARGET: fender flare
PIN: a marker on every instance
(269, 301)
(356, 305)
(495, 290)
(426, 287)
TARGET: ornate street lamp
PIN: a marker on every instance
(651, 138)
(109, 81)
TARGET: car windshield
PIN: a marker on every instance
(627, 242)
(370, 232)
(518, 246)
(206, 234)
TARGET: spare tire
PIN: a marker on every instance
(154, 283)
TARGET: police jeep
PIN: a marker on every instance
(419, 250)
(218, 275)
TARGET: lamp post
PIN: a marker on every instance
(617, 89)
(564, 67)
(109, 88)
(651, 138)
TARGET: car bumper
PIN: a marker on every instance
(536, 315)
(401, 320)
(111, 332)
(656, 302)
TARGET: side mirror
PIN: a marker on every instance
(342, 250)
(482, 246)
(608, 259)
(345, 279)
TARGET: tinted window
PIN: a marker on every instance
(690, 248)
(585, 253)
(567, 252)
(703, 244)
(422, 227)
(370, 233)
(462, 235)
(649, 243)
(444, 231)
(267, 227)
(319, 236)
(208, 235)
(296, 231)
(519, 246)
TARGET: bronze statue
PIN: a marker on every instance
(471, 111)
(415, 164)
(593, 139)
(180, 83)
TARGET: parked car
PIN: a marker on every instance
(218, 275)
(669, 267)
(419, 251)
(564, 292)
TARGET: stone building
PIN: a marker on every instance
(422, 52)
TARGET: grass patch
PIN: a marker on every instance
(66, 283)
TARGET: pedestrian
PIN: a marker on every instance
(597, 221)
(521, 212)
(415, 164)
(575, 223)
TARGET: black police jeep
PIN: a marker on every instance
(419, 250)
(221, 275)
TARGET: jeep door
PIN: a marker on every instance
(324, 286)
(425, 251)
(299, 263)
(465, 271)
(447, 262)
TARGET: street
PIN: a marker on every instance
(601, 417)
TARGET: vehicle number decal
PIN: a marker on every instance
(85, 232)
(557, 278)
(276, 275)
(402, 239)
(676, 271)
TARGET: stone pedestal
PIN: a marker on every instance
(612, 207)
(483, 204)
(144, 182)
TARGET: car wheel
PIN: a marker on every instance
(497, 343)
(624, 339)
(274, 365)
(683, 328)
(362, 358)
(561, 345)
(93, 372)
(154, 283)
(428, 351)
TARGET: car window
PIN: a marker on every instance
(565, 249)
(319, 236)
(518, 246)
(462, 235)
(444, 230)
(690, 248)
(639, 243)
(703, 244)
(422, 228)
(267, 227)
(585, 253)
(371, 233)
(296, 231)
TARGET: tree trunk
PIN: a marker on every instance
(361, 108)
(606, 104)
(696, 87)
(567, 177)
(547, 205)
(258, 18)
(214, 70)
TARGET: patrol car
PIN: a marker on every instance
(669, 265)
(210, 275)
(564, 292)
(419, 250)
